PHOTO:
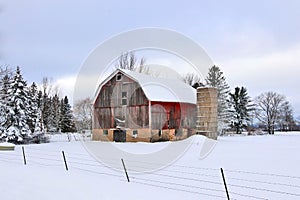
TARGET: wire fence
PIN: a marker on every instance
(196, 180)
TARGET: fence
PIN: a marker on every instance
(200, 181)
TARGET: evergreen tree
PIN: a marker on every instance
(26, 113)
(240, 108)
(46, 111)
(39, 124)
(55, 113)
(216, 78)
(66, 116)
(5, 87)
(33, 109)
(18, 104)
(40, 99)
(53, 117)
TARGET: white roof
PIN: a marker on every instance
(160, 89)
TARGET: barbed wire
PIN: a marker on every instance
(263, 189)
(9, 160)
(96, 172)
(186, 178)
(262, 174)
(198, 187)
(179, 189)
(264, 182)
(80, 161)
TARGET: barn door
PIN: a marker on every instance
(119, 135)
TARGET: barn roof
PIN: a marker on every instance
(159, 89)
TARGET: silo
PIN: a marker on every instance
(207, 111)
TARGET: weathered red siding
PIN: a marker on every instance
(172, 115)
(121, 103)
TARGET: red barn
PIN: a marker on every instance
(130, 106)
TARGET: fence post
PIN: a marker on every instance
(64, 157)
(125, 170)
(24, 157)
(225, 184)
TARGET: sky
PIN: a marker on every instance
(255, 43)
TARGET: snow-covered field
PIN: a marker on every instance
(255, 167)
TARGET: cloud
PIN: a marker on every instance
(277, 71)
(66, 85)
(278, 68)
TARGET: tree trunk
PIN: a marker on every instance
(273, 128)
(269, 129)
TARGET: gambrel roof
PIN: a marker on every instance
(158, 89)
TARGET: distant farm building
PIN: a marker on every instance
(130, 107)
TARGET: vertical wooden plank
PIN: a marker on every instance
(150, 118)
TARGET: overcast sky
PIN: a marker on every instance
(255, 43)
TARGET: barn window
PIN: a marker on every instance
(134, 133)
(119, 77)
(124, 98)
(105, 132)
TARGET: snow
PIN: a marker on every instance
(6, 144)
(141, 147)
(165, 90)
(255, 167)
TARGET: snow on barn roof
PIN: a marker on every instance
(166, 90)
(160, 89)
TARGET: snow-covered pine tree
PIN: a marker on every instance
(216, 78)
(18, 105)
(4, 117)
(39, 125)
(46, 111)
(5, 85)
(33, 109)
(55, 112)
(53, 117)
(66, 117)
(50, 120)
(240, 107)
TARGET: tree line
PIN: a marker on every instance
(28, 112)
(238, 112)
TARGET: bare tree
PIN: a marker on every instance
(129, 61)
(142, 67)
(5, 70)
(46, 86)
(193, 80)
(297, 121)
(56, 90)
(286, 118)
(268, 106)
(83, 114)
